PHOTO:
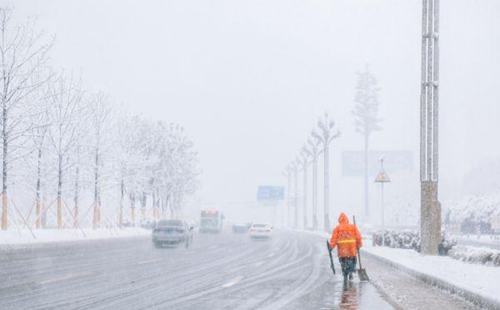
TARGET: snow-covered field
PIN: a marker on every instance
(15, 237)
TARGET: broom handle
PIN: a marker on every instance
(359, 256)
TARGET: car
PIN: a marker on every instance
(241, 228)
(261, 231)
(172, 233)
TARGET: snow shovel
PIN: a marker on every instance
(330, 254)
(363, 276)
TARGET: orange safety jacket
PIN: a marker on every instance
(346, 237)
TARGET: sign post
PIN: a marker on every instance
(382, 177)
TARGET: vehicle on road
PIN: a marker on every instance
(241, 228)
(172, 233)
(211, 221)
(261, 231)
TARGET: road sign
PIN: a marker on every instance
(382, 177)
(270, 193)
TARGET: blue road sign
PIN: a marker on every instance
(270, 193)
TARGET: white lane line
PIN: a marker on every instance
(66, 277)
(149, 261)
(232, 282)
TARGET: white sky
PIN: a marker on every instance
(248, 79)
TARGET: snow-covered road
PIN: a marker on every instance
(225, 271)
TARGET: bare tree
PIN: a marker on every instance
(65, 114)
(39, 140)
(100, 111)
(366, 117)
(23, 52)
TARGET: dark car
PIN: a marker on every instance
(172, 233)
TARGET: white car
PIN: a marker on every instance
(263, 231)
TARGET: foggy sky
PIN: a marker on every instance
(248, 79)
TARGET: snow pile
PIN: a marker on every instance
(476, 255)
(14, 237)
(409, 239)
(469, 280)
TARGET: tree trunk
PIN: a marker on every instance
(143, 206)
(97, 199)
(59, 194)
(38, 190)
(5, 207)
(76, 199)
(122, 197)
(132, 208)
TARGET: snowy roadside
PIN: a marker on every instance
(476, 283)
(25, 237)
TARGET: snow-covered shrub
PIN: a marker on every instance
(477, 255)
(408, 240)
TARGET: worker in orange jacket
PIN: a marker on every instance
(347, 238)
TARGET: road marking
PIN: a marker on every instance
(66, 277)
(232, 282)
(149, 261)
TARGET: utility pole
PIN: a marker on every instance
(430, 208)
(304, 157)
(325, 137)
(314, 152)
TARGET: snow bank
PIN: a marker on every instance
(477, 283)
(477, 255)
(15, 237)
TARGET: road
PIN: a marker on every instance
(224, 271)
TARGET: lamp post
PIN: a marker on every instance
(295, 172)
(286, 213)
(430, 208)
(304, 156)
(327, 133)
(313, 151)
(382, 178)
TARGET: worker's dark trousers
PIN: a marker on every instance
(348, 265)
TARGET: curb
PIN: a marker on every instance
(472, 297)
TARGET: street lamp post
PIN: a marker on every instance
(295, 168)
(382, 178)
(304, 156)
(327, 134)
(286, 213)
(313, 151)
(430, 208)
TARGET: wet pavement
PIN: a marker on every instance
(219, 271)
